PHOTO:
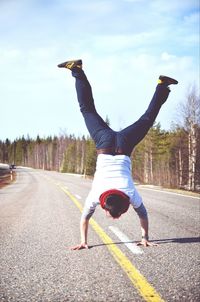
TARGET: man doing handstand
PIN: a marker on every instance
(113, 187)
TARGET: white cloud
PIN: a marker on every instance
(175, 6)
(9, 54)
(90, 7)
(113, 43)
(132, 1)
(166, 57)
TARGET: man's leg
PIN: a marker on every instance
(100, 132)
(129, 137)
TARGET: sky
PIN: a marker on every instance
(124, 45)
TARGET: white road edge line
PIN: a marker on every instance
(131, 246)
(77, 196)
(172, 193)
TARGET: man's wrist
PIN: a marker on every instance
(146, 237)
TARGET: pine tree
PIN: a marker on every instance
(91, 156)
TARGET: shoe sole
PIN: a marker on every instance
(70, 64)
(167, 80)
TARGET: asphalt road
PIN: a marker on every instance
(39, 221)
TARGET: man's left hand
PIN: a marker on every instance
(146, 243)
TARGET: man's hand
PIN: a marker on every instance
(84, 231)
(79, 246)
(144, 228)
(146, 243)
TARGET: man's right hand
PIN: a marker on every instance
(79, 246)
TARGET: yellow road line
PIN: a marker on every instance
(139, 281)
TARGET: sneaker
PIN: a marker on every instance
(71, 64)
(166, 80)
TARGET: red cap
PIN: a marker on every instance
(105, 194)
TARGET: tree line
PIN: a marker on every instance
(165, 158)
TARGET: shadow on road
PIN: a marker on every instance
(179, 240)
(159, 241)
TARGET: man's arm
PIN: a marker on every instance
(84, 232)
(142, 213)
(144, 229)
(84, 223)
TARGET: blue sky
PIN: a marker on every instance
(124, 44)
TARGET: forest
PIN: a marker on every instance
(165, 158)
